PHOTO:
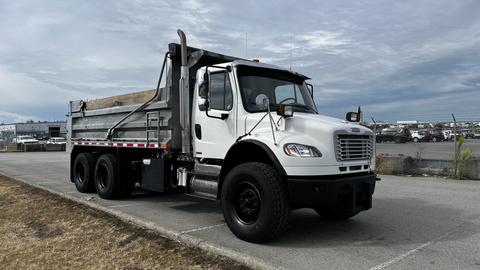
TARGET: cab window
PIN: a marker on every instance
(221, 97)
(288, 94)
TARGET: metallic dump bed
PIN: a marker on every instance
(90, 120)
(156, 125)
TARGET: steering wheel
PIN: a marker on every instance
(288, 98)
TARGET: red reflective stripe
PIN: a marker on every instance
(129, 144)
(141, 145)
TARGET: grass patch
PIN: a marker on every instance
(39, 230)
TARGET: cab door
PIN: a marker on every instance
(214, 127)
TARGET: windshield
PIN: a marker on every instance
(281, 87)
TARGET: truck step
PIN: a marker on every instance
(206, 169)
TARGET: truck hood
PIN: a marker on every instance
(309, 129)
(306, 124)
(303, 128)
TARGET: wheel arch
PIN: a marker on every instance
(248, 151)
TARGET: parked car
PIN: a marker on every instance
(57, 140)
(43, 137)
(394, 135)
(446, 135)
(417, 136)
(433, 137)
(476, 134)
(24, 139)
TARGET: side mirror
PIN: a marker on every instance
(203, 92)
(285, 111)
(353, 117)
(262, 102)
(202, 104)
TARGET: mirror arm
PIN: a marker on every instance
(310, 87)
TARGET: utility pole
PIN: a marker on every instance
(455, 144)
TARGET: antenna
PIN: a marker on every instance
(246, 44)
(291, 50)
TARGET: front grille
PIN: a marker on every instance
(353, 147)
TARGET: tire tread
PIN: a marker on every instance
(281, 210)
(91, 161)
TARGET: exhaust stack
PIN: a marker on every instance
(184, 94)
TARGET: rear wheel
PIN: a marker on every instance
(107, 177)
(254, 202)
(83, 172)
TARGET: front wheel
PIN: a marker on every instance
(255, 202)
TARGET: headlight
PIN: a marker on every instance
(301, 150)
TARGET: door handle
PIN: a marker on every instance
(198, 131)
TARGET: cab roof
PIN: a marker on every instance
(269, 66)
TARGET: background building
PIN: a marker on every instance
(39, 130)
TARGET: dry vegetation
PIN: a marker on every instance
(39, 230)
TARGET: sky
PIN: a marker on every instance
(398, 60)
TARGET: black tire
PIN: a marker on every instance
(434, 139)
(83, 172)
(398, 140)
(255, 202)
(107, 177)
(415, 139)
(333, 213)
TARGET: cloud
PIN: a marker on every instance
(9, 117)
(379, 55)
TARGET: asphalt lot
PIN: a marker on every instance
(416, 223)
(428, 150)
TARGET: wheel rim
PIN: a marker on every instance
(247, 203)
(80, 173)
(102, 177)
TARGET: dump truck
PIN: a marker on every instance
(223, 128)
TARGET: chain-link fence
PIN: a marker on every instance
(447, 148)
(427, 140)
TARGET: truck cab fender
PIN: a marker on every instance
(248, 151)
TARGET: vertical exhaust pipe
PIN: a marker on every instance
(184, 94)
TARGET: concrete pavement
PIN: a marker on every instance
(415, 223)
